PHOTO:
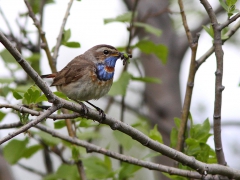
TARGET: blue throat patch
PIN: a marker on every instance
(102, 74)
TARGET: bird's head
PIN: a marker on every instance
(105, 58)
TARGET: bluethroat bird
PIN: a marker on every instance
(88, 76)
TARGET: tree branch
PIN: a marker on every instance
(93, 148)
(59, 38)
(23, 109)
(218, 84)
(190, 84)
(229, 34)
(30, 124)
(42, 35)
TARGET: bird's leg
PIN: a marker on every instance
(101, 112)
(85, 109)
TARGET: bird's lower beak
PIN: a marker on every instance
(121, 55)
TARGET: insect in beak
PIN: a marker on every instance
(125, 57)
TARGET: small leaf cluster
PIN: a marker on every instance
(196, 138)
(229, 6)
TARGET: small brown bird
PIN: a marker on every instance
(88, 76)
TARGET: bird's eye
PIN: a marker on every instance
(106, 52)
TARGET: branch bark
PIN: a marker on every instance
(218, 84)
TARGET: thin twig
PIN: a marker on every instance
(42, 35)
(30, 124)
(59, 38)
(23, 109)
(187, 98)
(190, 83)
(229, 34)
(130, 37)
(30, 169)
(218, 84)
(184, 20)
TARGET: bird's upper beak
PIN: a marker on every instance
(121, 55)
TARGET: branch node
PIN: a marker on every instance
(146, 143)
(218, 149)
(190, 84)
(221, 88)
(43, 45)
(115, 126)
(218, 73)
(20, 60)
(217, 116)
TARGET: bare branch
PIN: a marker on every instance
(218, 84)
(190, 84)
(23, 109)
(30, 169)
(184, 20)
(42, 35)
(30, 124)
(229, 34)
(93, 148)
(59, 38)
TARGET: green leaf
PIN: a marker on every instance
(41, 98)
(149, 47)
(123, 139)
(34, 57)
(209, 30)
(122, 18)
(59, 124)
(72, 44)
(128, 170)
(108, 162)
(16, 95)
(61, 95)
(2, 115)
(31, 95)
(66, 35)
(7, 57)
(120, 86)
(231, 2)
(31, 150)
(6, 80)
(174, 138)
(224, 5)
(200, 132)
(155, 134)
(85, 122)
(75, 153)
(151, 155)
(67, 172)
(177, 122)
(149, 28)
(86, 135)
(97, 168)
(147, 79)
(14, 150)
(48, 139)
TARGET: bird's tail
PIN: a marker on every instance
(48, 75)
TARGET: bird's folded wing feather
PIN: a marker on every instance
(73, 71)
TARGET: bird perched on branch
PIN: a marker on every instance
(88, 76)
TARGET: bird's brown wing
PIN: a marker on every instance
(73, 71)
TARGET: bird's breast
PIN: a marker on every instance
(104, 73)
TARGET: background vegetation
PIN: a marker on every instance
(147, 127)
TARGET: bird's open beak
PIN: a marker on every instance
(121, 55)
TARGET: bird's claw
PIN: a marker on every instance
(101, 113)
(85, 109)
